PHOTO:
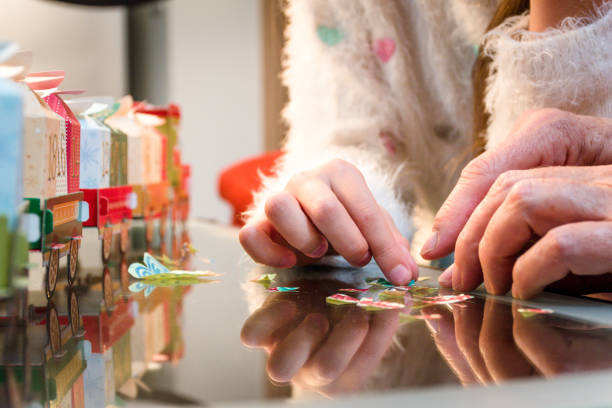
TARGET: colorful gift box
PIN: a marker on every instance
(44, 166)
(95, 149)
(46, 83)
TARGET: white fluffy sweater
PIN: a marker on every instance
(386, 85)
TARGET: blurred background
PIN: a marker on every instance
(218, 59)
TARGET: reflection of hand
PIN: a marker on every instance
(555, 350)
(477, 343)
(491, 344)
(325, 211)
(501, 203)
(316, 348)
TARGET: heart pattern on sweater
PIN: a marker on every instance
(329, 35)
(384, 48)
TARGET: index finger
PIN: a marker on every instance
(548, 143)
(392, 257)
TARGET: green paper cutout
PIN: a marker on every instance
(330, 36)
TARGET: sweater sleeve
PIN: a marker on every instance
(566, 68)
(336, 71)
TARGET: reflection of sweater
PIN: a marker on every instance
(386, 85)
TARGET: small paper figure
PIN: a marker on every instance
(448, 299)
(371, 305)
(153, 269)
(167, 261)
(283, 289)
(407, 318)
(340, 299)
(379, 282)
(265, 278)
(532, 311)
(394, 294)
(355, 290)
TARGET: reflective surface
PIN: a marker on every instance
(97, 343)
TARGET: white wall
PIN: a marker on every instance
(87, 42)
(215, 75)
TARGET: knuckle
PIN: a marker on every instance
(298, 179)
(357, 252)
(323, 209)
(521, 193)
(340, 166)
(559, 244)
(277, 205)
(506, 181)
(478, 167)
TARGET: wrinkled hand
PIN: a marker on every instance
(328, 210)
(327, 350)
(518, 218)
(494, 343)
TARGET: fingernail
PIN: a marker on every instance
(320, 251)
(446, 279)
(366, 259)
(399, 275)
(430, 244)
(433, 325)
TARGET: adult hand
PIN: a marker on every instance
(317, 347)
(495, 211)
(325, 211)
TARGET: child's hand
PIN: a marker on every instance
(325, 211)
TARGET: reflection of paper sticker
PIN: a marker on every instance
(355, 290)
(379, 282)
(283, 289)
(392, 294)
(423, 291)
(370, 304)
(266, 278)
(445, 300)
(422, 278)
(532, 311)
(406, 318)
(340, 299)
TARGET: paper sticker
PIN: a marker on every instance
(340, 299)
(353, 290)
(448, 299)
(283, 289)
(153, 269)
(370, 304)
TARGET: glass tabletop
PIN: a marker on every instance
(256, 334)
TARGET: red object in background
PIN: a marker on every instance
(238, 181)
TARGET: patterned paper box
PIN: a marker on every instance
(95, 154)
(44, 167)
(135, 146)
(118, 170)
(73, 137)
